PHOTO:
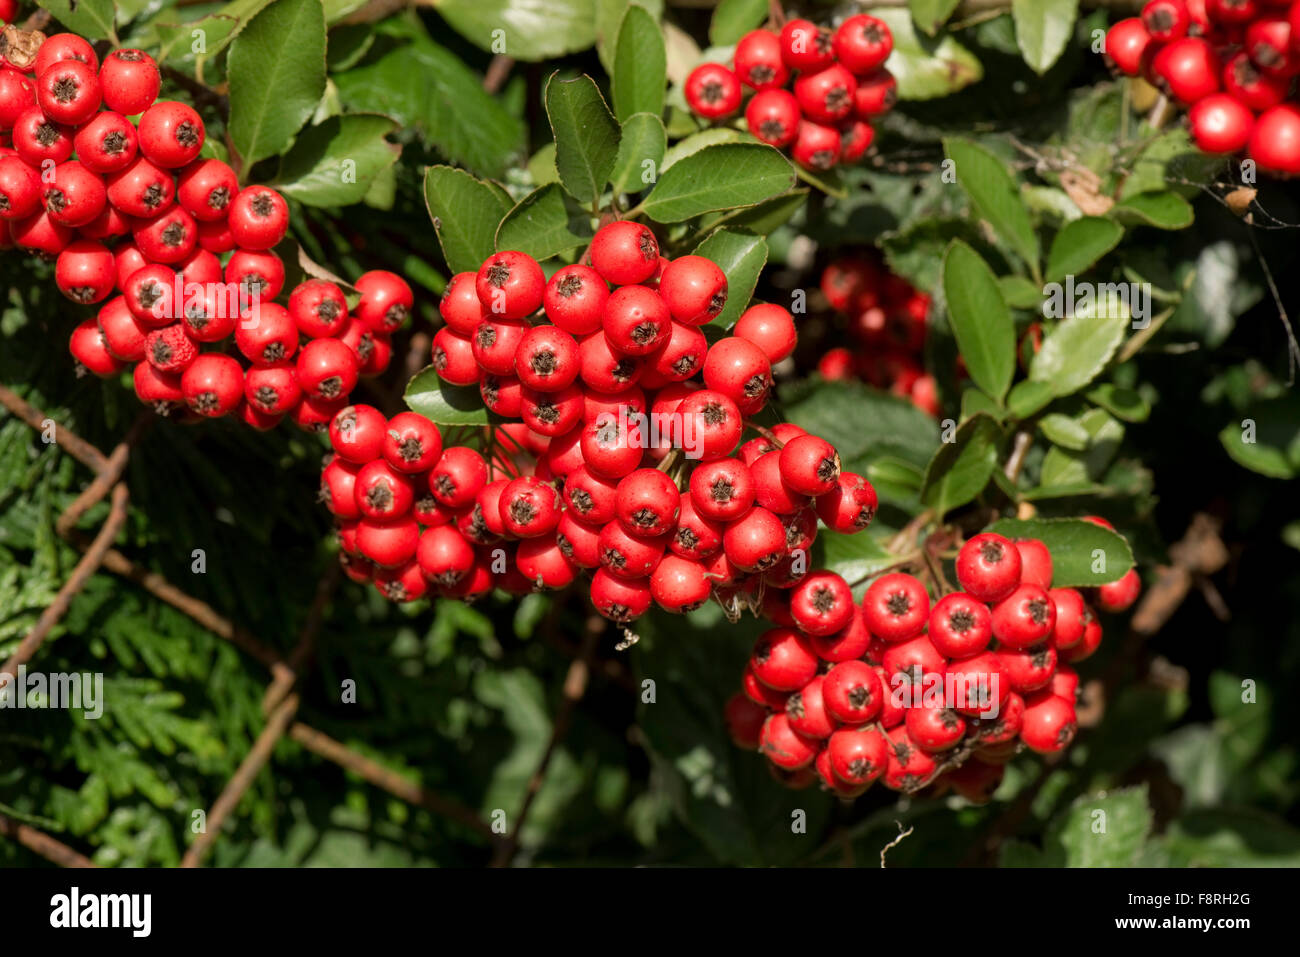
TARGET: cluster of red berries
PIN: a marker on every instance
(915, 695)
(140, 214)
(839, 86)
(619, 464)
(887, 323)
(1231, 62)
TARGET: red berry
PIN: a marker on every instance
(1220, 124)
(168, 238)
(266, 335)
(411, 442)
(636, 320)
(617, 599)
(551, 413)
(850, 506)
(107, 143)
(1187, 69)
(62, 47)
(695, 536)
(913, 659)
(1024, 618)
(848, 643)
(1035, 562)
(123, 334)
(459, 306)
(529, 507)
(130, 81)
(816, 146)
(75, 195)
(863, 43)
(171, 134)
(574, 298)
(680, 584)
(810, 465)
(259, 274)
(722, 490)
(694, 288)
(1268, 44)
(806, 46)
(88, 347)
(770, 490)
(910, 767)
(822, 604)
(744, 721)
(773, 117)
(1072, 617)
(770, 327)
(496, 342)
(84, 271)
(714, 422)
(756, 541)
(856, 137)
(205, 188)
(827, 95)
(858, 756)
(960, 626)
(853, 693)
(17, 94)
(318, 308)
(935, 728)
(1166, 20)
(1119, 595)
(758, 61)
(213, 384)
(402, 584)
(141, 189)
(713, 91)
(605, 370)
(739, 370)
(896, 607)
(1248, 86)
(646, 503)
(623, 253)
(259, 218)
(784, 746)
(382, 493)
(510, 285)
(876, 94)
(327, 369)
(357, 433)
(444, 556)
(1049, 724)
(170, 350)
(160, 389)
(1275, 141)
(627, 555)
(453, 360)
(579, 541)
(20, 189)
(388, 544)
(609, 449)
(68, 92)
(386, 300)
(783, 659)
(456, 479)
(988, 566)
(1030, 669)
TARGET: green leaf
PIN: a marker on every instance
(1078, 548)
(609, 17)
(1105, 830)
(930, 15)
(1078, 348)
(465, 214)
(333, 164)
(1231, 837)
(768, 216)
(690, 145)
(1064, 431)
(640, 66)
(543, 226)
(1028, 396)
(980, 319)
(732, 19)
(1163, 210)
(1020, 293)
(93, 19)
(1043, 28)
(863, 423)
(1080, 244)
(718, 177)
(443, 403)
(523, 29)
(541, 165)
(742, 256)
(276, 69)
(448, 107)
(1126, 404)
(927, 70)
(995, 195)
(853, 557)
(1266, 439)
(962, 468)
(975, 402)
(640, 152)
(586, 136)
(1063, 466)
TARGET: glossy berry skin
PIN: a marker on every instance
(1030, 669)
(619, 600)
(713, 91)
(169, 349)
(646, 503)
(68, 92)
(17, 93)
(609, 450)
(551, 413)
(876, 94)
(850, 506)
(1187, 69)
(770, 327)
(1269, 46)
(810, 465)
(862, 43)
(574, 298)
(988, 567)
(510, 285)
(129, 80)
(453, 359)
(260, 274)
(273, 390)
(267, 335)
(20, 189)
(411, 443)
(960, 626)
(858, 756)
(327, 369)
(171, 134)
(1166, 20)
(386, 300)
(141, 189)
(1024, 618)
(259, 218)
(739, 370)
(827, 95)
(816, 146)
(896, 607)
(1119, 595)
(722, 490)
(1220, 124)
(679, 585)
(1250, 87)
(84, 271)
(694, 288)
(123, 334)
(168, 238)
(357, 433)
(388, 544)
(149, 294)
(456, 479)
(756, 541)
(75, 195)
(784, 746)
(444, 556)
(624, 253)
(318, 308)
(853, 693)
(822, 604)
(1035, 562)
(62, 47)
(107, 143)
(805, 46)
(338, 482)
(1049, 724)
(783, 659)
(695, 536)
(1275, 140)
(529, 507)
(934, 728)
(205, 188)
(717, 424)
(773, 117)
(636, 321)
(909, 767)
(758, 61)
(807, 711)
(89, 348)
(213, 385)
(629, 556)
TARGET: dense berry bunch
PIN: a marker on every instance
(915, 694)
(1232, 63)
(622, 464)
(815, 91)
(887, 325)
(107, 180)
